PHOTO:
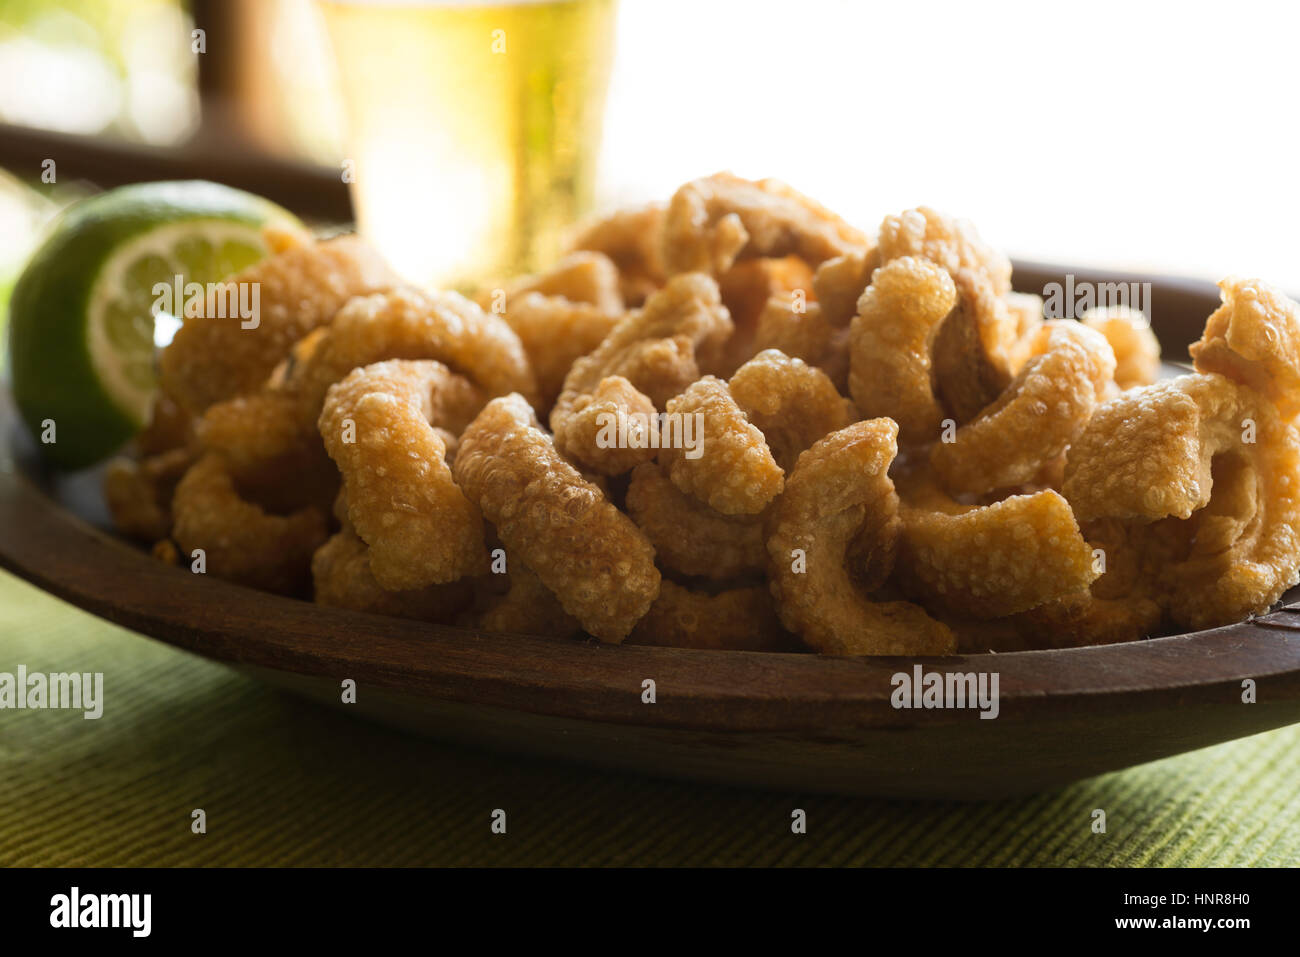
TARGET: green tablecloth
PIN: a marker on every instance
(284, 782)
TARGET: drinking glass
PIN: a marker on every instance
(473, 128)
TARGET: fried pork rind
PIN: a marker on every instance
(891, 338)
(527, 608)
(737, 619)
(792, 403)
(974, 351)
(241, 541)
(265, 442)
(818, 332)
(779, 510)
(1147, 453)
(840, 282)
(840, 500)
(555, 333)
(587, 552)
(342, 578)
(138, 487)
(689, 537)
(987, 561)
(580, 277)
(805, 334)
(165, 551)
(1204, 474)
(260, 470)
(662, 368)
(256, 430)
(139, 492)
(746, 289)
(976, 637)
(1238, 554)
(378, 425)
(1027, 309)
(170, 427)
(715, 221)
(593, 428)
(633, 239)
(951, 243)
(1082, 619)
(653, 347)
(1137, 351)
(730, 468)
(1037, 416)
(1254, 339)
(408, 323)
(1075, 621)
(299, 288)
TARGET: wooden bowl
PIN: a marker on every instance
(805, 723)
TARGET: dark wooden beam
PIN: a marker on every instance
(308, 190)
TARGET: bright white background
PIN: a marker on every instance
(1148, 135)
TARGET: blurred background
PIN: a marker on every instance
(1156, 137)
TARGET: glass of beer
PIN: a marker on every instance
(474, 128)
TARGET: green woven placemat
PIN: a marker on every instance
(284, 782)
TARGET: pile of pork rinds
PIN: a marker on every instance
(895, 453)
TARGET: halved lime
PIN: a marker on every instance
(81, 319)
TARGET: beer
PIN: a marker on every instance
(474, 128)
